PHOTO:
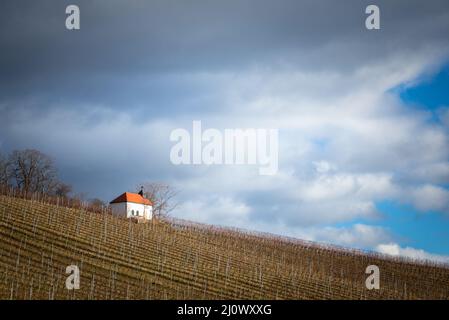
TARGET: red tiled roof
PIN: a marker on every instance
(131, 197)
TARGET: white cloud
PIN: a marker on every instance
(443, 114)
(430, 197)
(356, 236)
(220, 210)
(323, 166)
(434, 172)
(394, 249)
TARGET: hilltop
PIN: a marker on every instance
(171, 259)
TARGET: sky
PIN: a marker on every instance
(363, 115)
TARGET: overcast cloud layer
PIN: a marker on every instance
(103, 100)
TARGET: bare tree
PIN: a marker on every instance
(79, 199)
(32, 171)
(96, 203)
(3, 171)
(162, 196)
(63, 190)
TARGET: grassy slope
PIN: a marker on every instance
(119, 260)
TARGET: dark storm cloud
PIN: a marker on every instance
(130, 53)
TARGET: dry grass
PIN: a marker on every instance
(119, 259)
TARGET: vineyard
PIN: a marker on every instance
(171, 259)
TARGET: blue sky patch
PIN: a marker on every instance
(430, 93)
